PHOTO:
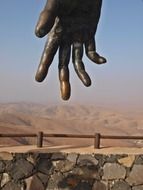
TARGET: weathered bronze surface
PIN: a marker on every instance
(69, 23)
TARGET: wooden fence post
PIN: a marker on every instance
(97, 140)
(40, 139)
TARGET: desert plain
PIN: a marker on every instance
(69, 119)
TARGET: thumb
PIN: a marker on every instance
(46, 19)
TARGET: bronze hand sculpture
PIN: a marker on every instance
(69, 22)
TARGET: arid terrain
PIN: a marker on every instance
(70, 119)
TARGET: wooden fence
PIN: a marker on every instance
(97, 137)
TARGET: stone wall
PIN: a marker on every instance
(59, 171)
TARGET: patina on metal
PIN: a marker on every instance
(69, 23)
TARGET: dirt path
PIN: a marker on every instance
(68, 149)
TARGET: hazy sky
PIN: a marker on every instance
(119, 38)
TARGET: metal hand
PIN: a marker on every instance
(69, 23)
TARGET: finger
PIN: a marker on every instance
(91, 53)
(64, 58)
(47, 18)
(49, 52)
(77, 55)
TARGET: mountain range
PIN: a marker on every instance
(69, 119)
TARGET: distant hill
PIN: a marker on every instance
(72, 119)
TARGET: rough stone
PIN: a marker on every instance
(127, 161)
(18, 156)
(69, 182)
(58, 156)
(2, 166)
(22, 185)
(0, 177)
(111, 158)
(5, 179)
(35, 156)
(31, 159)
(63, 166)
(136, 175)
(45, 155)
(99, 186)
(59, 171)
(11, 186)
(20, 169)
(121, 185)
(72, 157)
(86, 172)
(55, 182)
(101, 159)
(83, 186)
(87, 160)
(6, 156)
(44, 166)
(139, 187)
(139, 159)
(113, 171)
(44, 178)
(34, 183)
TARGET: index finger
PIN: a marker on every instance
(47, 18)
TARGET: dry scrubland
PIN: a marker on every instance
(75, 119)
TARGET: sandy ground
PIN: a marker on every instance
(69, 149)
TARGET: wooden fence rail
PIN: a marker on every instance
(97, 137)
